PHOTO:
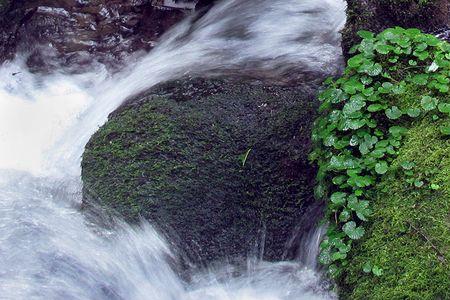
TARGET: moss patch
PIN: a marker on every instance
(410, 233)
(175, 156)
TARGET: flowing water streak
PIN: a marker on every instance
(47, 249)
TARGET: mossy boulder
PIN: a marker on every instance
(216, 164)
(377, 15)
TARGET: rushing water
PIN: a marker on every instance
(48, 250)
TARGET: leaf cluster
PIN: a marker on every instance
(394, 79)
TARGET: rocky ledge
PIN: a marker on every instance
(73, 32)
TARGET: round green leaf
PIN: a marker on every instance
(381, 168)
(418, 183)
(444, 108)
(393, 113)
(338, 198)
(352, 231)
(428, 103)
(375, 70)
(377, 271)
(383, 49)
(407, 165)
(413, 112)
(445, 130)
(367, 267)
(355, 61)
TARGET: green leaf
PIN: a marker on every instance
(420, 79)
(381, 167)
(330, 140)
(352, 231)
(444, 108)
(353, 105)
(338, 198)
(338, 256)
(445, 130)
(413, 112)
(375, 107)
(407, 165)
(367, 267)
(434, 186)
(338, 180)
(393, 113)
(365, 34)
(383, 49)
(360, 181)
(377, 271)
(421, 47)
(353, 124)
(422, 55)
(428, 103)
(334, 271)
(355, 61)
(325, 257)
(342, 163)
(397, 131)
(353, 85)
(360, 207)
(418, 183)
(443, 88)
(374, 70)
(344, 216)
(243, 157)
(368, 91)
(367, 144)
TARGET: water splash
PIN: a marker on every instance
(47, 248)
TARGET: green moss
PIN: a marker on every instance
(410, 233)
(172, 156)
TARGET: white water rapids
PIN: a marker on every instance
(48, 250)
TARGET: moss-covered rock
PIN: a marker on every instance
(410, 233)
(212, 162)
(377, 15)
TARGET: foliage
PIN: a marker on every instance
(396, 78)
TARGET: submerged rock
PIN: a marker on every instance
(220, 166)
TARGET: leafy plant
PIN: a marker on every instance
(363, 123)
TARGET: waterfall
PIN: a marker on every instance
(49, 250)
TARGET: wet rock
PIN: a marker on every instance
(220, 166)
(68, 29)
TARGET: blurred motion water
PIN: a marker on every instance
(48, 250)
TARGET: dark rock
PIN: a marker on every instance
(68, 29)
(377, 15)
(175, 155)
